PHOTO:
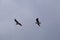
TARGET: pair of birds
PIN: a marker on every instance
(37, 22)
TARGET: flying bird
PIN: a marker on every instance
(37, 22)
(17, 23)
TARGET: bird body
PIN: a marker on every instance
(37, 22)
(17, 23)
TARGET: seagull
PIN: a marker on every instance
(37, 22)
(17, 23)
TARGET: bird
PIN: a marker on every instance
(17, 23)
(37, 22)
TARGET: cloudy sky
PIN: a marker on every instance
(26, 11)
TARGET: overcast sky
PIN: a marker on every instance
(26, 11)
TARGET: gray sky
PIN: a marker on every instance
(26, 11)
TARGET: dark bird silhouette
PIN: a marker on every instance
(37, 22)
(17, 23)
